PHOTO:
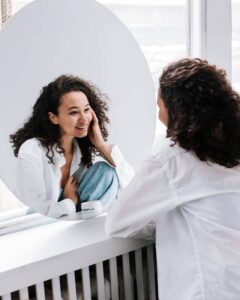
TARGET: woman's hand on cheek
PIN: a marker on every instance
(95, 134)
(70, 190)
(96, 138)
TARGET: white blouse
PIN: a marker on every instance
(194, 209)
(38, 181)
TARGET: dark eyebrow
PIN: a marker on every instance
(73, 107)
(76, 107)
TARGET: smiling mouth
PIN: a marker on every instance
(82, 127)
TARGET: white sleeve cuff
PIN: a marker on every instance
(69, 204)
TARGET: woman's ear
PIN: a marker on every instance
(53, 118)
(163, 111)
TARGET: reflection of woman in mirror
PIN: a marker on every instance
(63, 156)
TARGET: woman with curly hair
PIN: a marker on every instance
(187, 192)
(63, 156)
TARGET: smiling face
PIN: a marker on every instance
(74, 115)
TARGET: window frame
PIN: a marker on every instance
(210, 32)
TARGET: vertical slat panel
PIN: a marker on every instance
(151, 273)
(86, 284)
(139, 275)
(71, 282)
(56, 289)
(100, 281)
(128, 292)
(40, 291)
(6, 297)
(114, 278)
(23, 294)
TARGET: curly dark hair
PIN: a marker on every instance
(40, 127)
(203, 110)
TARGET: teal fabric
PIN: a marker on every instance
(99, 182)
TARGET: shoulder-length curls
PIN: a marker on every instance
(40, 127)
(203, 111)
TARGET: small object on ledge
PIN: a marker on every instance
(91, 209)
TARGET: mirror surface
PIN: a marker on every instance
(50, 38)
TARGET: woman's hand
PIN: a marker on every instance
(70, 190)
(96, 138)
(95, 134)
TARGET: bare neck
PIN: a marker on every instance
(67, 144)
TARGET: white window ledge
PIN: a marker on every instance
(44, 252)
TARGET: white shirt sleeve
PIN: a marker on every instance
(31, 187)
(124, 170)
(150, 193)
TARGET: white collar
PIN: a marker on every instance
(59, 159)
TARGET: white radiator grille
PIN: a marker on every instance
(129, 276)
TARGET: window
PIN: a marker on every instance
(159, 27)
